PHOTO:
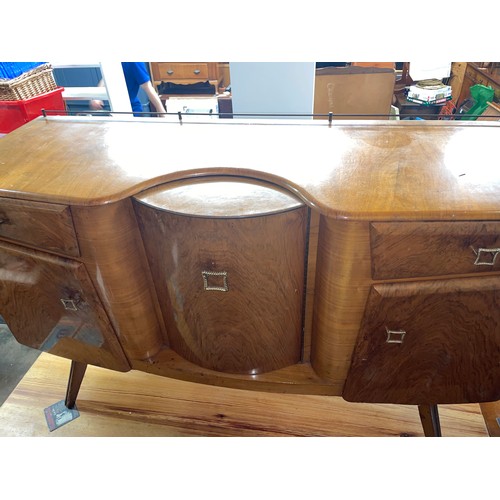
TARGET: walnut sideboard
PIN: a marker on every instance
(353, 259)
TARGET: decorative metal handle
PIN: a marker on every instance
(394, 336)
(72, 303)
(482, 252)
(170, 71)
(69, 304)
(196, 71)
(209, 276)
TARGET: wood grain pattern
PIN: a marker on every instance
(43, 225)
(256, 324)
(373, 171)
(112, 249)
(34, 284)
(140, 404)
(220, 196)
(449, 353)
(311, 259)
(414, 249)
(299, 378)
(342, 285)
(350, 175)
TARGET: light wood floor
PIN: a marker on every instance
(140, 404)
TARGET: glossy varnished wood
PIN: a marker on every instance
(220, 196)
(113, 252)
(44, 225)
(350, 176)
(50, 304)
(415, 249)
(141, 404)
(371, 170)
(342, 285)
(299, 378)
(248, 320)
(429, 342)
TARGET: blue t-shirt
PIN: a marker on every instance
(136, 74)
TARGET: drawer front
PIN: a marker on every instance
(177, 71)
(231, 290)
(43, 225)
(429, 342)
(50, 304)
(415, 249)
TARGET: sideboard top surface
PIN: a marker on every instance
(360, 170)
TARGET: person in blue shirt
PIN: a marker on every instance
(136, 77)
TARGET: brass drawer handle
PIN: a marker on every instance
(170, 72)
(484, 252)
(72, 303)
(69, 304)
(394, 336)
(217, 286)
(197, 71)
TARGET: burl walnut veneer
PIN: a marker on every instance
(354, 259)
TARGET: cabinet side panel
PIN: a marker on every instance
(112, 248)
(342, 284)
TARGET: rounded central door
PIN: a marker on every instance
(228, 261)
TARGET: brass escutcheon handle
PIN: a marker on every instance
(395, 336)
(483, 252)
(72, 303)
(210, 286)
(69, 304)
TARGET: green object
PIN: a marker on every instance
(481, 95)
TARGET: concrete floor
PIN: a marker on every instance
(15, 361)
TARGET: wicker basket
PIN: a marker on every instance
(38, 81)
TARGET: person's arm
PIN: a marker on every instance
(96, 103)
(154, 98)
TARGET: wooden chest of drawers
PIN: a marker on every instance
(349, 260)
(438, 337)
(185, 72)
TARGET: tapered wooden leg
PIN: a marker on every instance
(491, 415)
(75, 381)
(429, 416)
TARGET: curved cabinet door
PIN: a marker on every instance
(49, 303)
(230, 287)
(429, 342)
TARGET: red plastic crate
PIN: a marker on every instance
(13, 114)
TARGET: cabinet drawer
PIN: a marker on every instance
(43, 225)
(49, 303)
(429, 342)
(413, 249)
(177, 71)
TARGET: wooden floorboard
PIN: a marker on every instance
(141, 404)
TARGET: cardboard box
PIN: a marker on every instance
(354, 91)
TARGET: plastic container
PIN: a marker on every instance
(13, 114)
(10, 70)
